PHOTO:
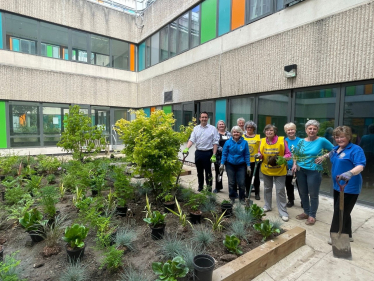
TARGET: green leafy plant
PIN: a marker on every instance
(14, 195)
(51, 178)
(156, 219)
(125, 237)
(79, 135)
(182, 216)
(257, 212)
(266, 229)
(168, 198)
(232, 244)
(33, 220)
(18, 210)
(112, 259)
(75, 271)
(195, 201)
(48, 200)
(62, 190)
(124, 191)
(75, 235)
(202, 236)
(217, 222)
(34, 183)
(170, 270)
(281, 160)
(225, 202)
(47, 164)
(9, 270)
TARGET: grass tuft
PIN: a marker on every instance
(202, 236)
(74, 272)
(125, 237)
(171, 245)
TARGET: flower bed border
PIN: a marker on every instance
(253, 263)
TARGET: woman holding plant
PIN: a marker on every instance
(274, 168)
(235, 155)
(308, 158)
(223, 137)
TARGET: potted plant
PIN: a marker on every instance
(156, 222)
(124, 190)
(33, 223)
(97, 183)
(74, 236)
(48, 200)
(169, 202)
(226, 206)
(194, 203)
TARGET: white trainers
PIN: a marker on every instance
(284, 218)
(266, 209)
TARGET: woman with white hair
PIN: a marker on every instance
(240, 122)
(292, 141)
(235, 155)
(308, 168)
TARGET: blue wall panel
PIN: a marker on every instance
(141, 56)
(224, 13)
(221, 111)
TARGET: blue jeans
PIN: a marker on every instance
(236, 175)
(309, 183)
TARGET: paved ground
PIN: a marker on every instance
(315, 261)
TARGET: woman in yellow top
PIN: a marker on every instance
(272, 146)
(253, 140)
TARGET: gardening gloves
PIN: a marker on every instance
(345, 176)
(213, 159)
(221, 168)
(185, 150)
(249, 171)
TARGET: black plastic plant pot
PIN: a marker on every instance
(203, 267)
(3, 195)
(1, 253)
(94, 192)
(75, 254)
(228, 208)
(158, 232)
(35, 236)
(121, 211)
(195, 218)
(170, 205)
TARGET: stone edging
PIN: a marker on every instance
(253, 263)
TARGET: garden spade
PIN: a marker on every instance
(257, 161)
(341, 246)
(184, 158)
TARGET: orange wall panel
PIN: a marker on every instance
(132, 57)
(237, 14)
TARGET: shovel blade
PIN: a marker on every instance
(341, 246)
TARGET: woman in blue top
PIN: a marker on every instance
(348, 161)
(292, 141)
(308, 168)
(235, 155)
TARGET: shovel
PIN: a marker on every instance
(184, 158)
(257, 161)
(341, 246)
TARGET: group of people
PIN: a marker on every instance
(285, 162)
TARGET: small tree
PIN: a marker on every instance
(153, 145)
(79, 135)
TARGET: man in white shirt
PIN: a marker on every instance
(205, 137)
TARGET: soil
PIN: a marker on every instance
(41, 264)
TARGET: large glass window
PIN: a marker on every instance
(164, 43)
(148, 52)
(21, 34)
(178, 116)
(359, 115)
(259, 8)
(54, 41)
(24, 124)
(280, 4)
(195, 26)
(183, 29)
(120, 54)
(101, 116)
(241, 107)
(208, 107)
(272, 109)
(52, 125)
(155, 48)
(79, 46)
(100, 50)
(173, 38)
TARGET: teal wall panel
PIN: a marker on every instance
(147, 111)
(141, 56)
(224, 12)
(208, 20)
(221, 110)
(1, 32)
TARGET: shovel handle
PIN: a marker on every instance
(341, 186)
(185, 155)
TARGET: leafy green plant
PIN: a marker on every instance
(9, 270)
(170, 270)
(202, 236)
(195, 201)
(75, 235)
(18, 210)
(217, 222)
(171, 245)
(75, 271)
(33, 220)
(281, 160)
(47, 164)
(34, 183)
(14, 195)
(156, 219)
(182, 216)
(112, 259)
(79, 135)
(62, 190)
(51, 178)
(232, 244)
(124, 191)
(225, 202)
(168, 197)
(125, 237)
(257, 212)
(48, 200)
(79, 195)
(266, 229)
(131, 274)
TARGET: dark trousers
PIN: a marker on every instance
(256, 183)
(236, 175)
(290, 188)
(349, 203)
(202, 162)
(219, 185)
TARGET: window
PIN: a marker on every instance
(195, 26)
(280, 5)
(259, 9)
(100, 50)
(155, 48)
(183, 30)
(173, 38)
(79, 46)
(52, 125)
(21, 34)
(164, 43)
(120, 54)
(178, 116)
(101, 116)
(148, 52)
(241, 107)
(54, 41)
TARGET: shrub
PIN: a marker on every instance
(9, 270)
(74, 272)
(170, 246)
(14, 195)
(112, 259)
(49, 198)
(125, 237)
(34, 183)
(51, 178)
(47, 164)
(202, 236)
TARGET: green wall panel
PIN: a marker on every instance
(2, 125)
(167, 109)
(208, 20)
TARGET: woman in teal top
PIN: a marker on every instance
(308, 168)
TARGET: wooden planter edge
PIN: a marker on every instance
(253, 263)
